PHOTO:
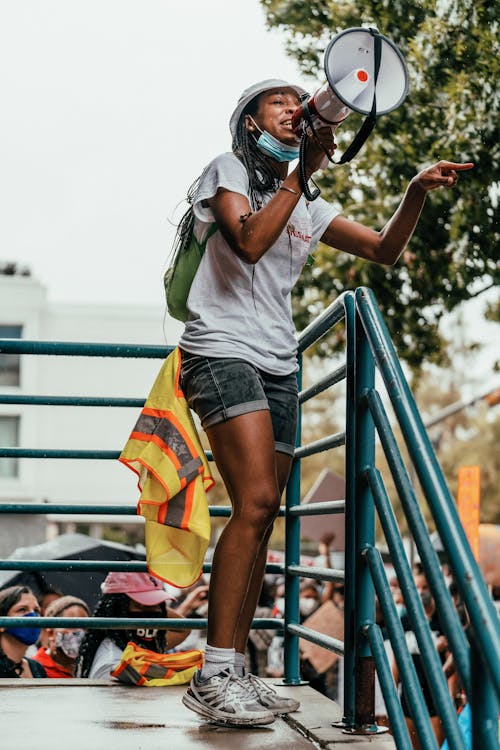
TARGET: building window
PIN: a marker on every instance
(10, 364)
(9, 438)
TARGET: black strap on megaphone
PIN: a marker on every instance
(359, 138)
(370, 121)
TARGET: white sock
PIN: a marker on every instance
(239, 664)
(216, 660)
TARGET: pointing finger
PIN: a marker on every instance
(445, 165)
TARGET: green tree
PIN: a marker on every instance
(451, 112)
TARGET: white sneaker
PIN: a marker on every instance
(226, 699)
(268, 697)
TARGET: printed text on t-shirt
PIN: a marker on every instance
(293, 232)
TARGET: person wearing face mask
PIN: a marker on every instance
(239, 354)
(63, 644)
(309, 599)
(18, 601)
(131, 595)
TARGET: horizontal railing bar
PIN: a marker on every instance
(318, 509)
(58, 453)
(318, 446)
(326, 641)
(332, 315)
(41, 508)
(325, 382)
(137, 566)
(125, 623)
(83, 349)
(321, 574)
(71, 401)
(64, 453)
(216, 511)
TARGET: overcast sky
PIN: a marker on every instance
(110, 109)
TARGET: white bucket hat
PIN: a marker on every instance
(252, 91)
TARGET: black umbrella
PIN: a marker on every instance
(82, 583)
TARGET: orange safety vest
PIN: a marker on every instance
(164, 450)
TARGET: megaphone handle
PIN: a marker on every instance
(370, 121)
(302, 157)
(302, 174)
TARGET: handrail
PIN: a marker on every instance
(428, 555)
(367, 344)
(83, 349)
(70, 401)
(122, 510)
(123, 623)
(484, 619)
(137, 566)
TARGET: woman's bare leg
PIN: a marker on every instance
(244, 451)
(283, 465)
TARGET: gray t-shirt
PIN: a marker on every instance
(241, 310)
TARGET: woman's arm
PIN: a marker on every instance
(387, 245)
(250, 235)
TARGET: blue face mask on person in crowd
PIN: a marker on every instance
(28, 636)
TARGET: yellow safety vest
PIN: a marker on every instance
(164, 450)
(139, 666)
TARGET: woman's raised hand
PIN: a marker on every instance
(442, 174)
(317, 144)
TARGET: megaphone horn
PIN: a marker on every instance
(329, 108)
(369, 49)
(365, 73)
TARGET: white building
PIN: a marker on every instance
(26, 312)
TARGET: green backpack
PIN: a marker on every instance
(181, 272)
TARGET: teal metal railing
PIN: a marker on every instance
(477, 655)
(476, 652)
(85, 349)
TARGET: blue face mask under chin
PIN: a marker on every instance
(28, 636)
(271, 146)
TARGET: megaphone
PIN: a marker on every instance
(366, 73)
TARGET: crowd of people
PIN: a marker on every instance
(32, 651)
(56, 652)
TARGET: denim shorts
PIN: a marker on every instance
(218, 389)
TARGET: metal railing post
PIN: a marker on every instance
(485, 708)
(292, 557)
(364, 532)
(350, 499)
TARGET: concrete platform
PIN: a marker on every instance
(102, 715)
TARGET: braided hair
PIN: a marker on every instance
(8, 598)
(185, 227)
(261, 175)
(113, 605)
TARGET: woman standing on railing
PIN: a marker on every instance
(239, 351)
(18, 601)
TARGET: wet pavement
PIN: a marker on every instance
(102, 715)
